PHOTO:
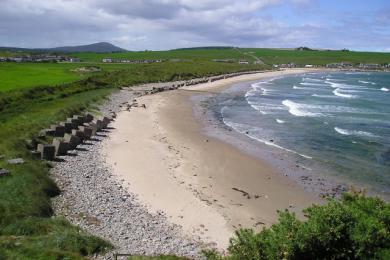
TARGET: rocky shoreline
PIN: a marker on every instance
(95, 200)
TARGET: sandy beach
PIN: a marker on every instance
(208, 187)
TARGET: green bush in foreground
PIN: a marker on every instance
(356, 227)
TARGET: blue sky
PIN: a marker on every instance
(167, 24)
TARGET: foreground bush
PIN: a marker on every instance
(355, 227)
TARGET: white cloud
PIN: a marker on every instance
(164, 24)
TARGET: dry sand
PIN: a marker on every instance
(208, 187)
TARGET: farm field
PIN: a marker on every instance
(184, 54)
(24, 75)
(279, 56)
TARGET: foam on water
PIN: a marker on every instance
(367, 82)
(298, 109)
(340, 120)
(311, 84)
(243, 129)
(312, 80)
(353, 132)
(337, 92)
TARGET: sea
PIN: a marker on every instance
(332, 126)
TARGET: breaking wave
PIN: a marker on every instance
(367, 82)
(337, 92)
(353, 132)
(298, 109)
(243, 130)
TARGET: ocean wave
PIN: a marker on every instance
(358, 73)
(322, 96)
(312, 84)
(353, 132)
(264, 108)
(298, 109)
(385, 89)
(256, 88)
(337, 92)
(367, 82)
(312, 80)
(244, 130)
(280, 121)
(343, 86)
(303, 88)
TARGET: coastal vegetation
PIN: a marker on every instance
(28, 229)
(355, 227)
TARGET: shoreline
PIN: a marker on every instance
(174, 167)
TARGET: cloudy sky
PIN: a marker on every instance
(168, 24)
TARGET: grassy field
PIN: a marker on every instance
(269, 56)
(24, 75)
(277, 56)
(27, 228)
(195, 55)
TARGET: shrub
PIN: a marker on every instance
(355, 227)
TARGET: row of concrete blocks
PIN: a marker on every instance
(197, 81)
(74, 131)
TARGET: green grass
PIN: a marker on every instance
(27, 228)
(277, 56)
(269, 56)
(25, 75)
(195, 55)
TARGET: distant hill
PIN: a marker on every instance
(204, 48)
(100, 47)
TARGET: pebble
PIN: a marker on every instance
(91, 193)
(16, 161)
(4, 172)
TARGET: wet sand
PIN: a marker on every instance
(208, 187)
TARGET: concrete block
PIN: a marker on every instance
(87, 131)
(88, 118)
(46, 132)
(68, 127)
(106, 121)
(31, 144)
(47, 151)
(93, 128)
(99, 124)
(74, 122)
(80, 119)
(80, 134)
(61, 147)
(72, 140)
(59, 130)
(36, 154)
